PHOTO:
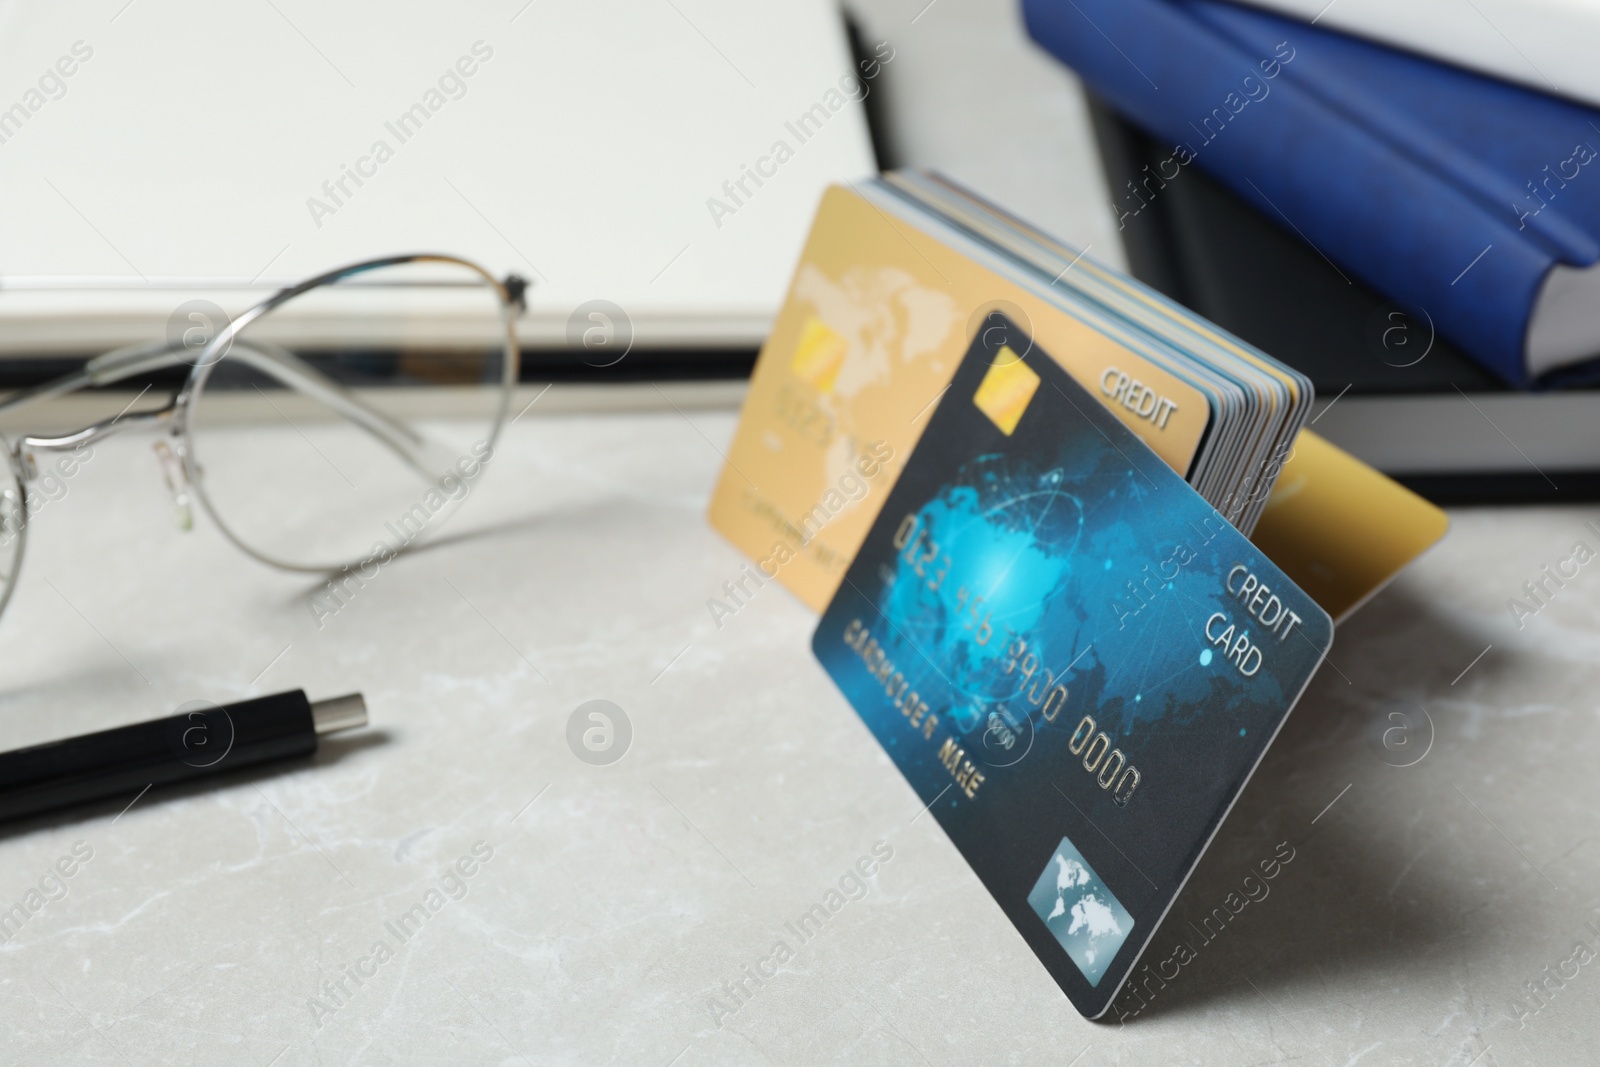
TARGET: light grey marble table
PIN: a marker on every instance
(609, 910)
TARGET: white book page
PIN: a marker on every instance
(198, 147)
(1545, 44)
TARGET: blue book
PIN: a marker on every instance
(1468, 200)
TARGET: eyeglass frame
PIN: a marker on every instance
(177, 414)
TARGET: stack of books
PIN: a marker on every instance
(1417, 233)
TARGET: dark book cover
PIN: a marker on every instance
(1196, 241)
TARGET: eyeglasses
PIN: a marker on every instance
(341, 421)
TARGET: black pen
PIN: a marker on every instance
(191, 744)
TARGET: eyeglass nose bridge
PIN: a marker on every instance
(92, 433)
(169, 455)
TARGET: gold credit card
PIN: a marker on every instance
(1340, 529)
(878, 317)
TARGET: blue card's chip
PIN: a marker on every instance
(1070, 656)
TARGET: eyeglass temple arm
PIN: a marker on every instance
(299, 375)
(276, 362)
(112, 366)
(71, 383)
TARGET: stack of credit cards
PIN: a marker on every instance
(1254, 405)
(898, 275)
(1018, 486)
(1074, 660)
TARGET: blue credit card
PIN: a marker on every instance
(1071, 656)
